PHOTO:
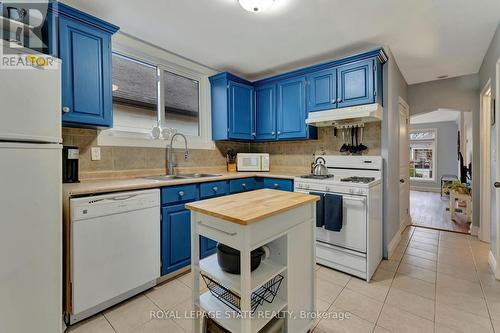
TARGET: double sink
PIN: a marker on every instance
(184, 176)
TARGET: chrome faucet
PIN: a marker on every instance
(170, 163)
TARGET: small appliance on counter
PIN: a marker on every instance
(253, 161)
(70, 159)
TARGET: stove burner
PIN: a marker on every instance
(316, 176)
(355, 179)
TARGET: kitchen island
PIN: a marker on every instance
(283, 284)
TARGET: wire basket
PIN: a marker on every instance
(266, 293)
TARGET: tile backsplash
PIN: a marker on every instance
(293, 156)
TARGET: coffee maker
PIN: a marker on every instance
(70, 160)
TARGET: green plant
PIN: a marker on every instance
(457, 186)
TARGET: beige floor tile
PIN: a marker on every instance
(458, 272)
(317, 267)
(440, 328)
(389, 265)
(96, 324)
(414, 286)
(333, 276)
(379, 329)
(375, 290)
(447, 283)
(182, 309)
(327, 291)
(496, 325)
(131, 314)
(425, 234)
(417, 272)
(461, 320)
(451, 245)
(168, 295)
(400, 321)
(418, 305)
(421, 254)
(494, 308)
(321, 305)
(349, 324)
(432, 241)
(420, 262)
(383, 276)
(360, 305)
(159, 326)
(423, 246)
(462, 302)
(186, 279)
(397, 255)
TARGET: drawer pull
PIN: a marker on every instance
(215, 188)
(181, 193)
(244, 185)
(216, 229)
(276, 185)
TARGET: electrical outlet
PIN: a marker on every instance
(96, 153)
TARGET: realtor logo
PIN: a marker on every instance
(24, 30)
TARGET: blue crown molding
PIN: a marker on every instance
(229, 76)
(59, 8)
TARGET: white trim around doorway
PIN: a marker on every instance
(485, 174)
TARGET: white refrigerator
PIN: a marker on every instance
(30, 200)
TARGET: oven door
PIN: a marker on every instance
(352, 236)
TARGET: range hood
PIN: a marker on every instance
(361, 113)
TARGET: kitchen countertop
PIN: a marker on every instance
(253, 206)
(116, 185)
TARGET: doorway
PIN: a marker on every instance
(486, 195)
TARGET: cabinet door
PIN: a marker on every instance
(265, 113)
(175, 238)
(355, 84)
(322, 90)
(86, 74)
(292, 109)
(207, 247)
(279, 184)
(241, 111)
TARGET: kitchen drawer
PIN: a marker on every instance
(241, 185)
(278, 184)
(177, 194)
(344, 260)
(213, 189)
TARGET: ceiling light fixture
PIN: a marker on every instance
(256, 6)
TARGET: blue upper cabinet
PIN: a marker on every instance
(356, 83)
(233, 109)
(84, 46)
(322, 90)
(265, 112)
(291, 112)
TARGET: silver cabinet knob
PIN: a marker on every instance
(279, 132)
(253, 134)
(276, 185)
(181, 193)
(244, 185)
(334, 100)
(273, 133)
(339, 100)
(66, 109)
(215, 188)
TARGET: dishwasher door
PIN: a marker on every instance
(115, 249)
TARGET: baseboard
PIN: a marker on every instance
(393, 244)
(493, 264)
(474, 230)
(425, 189)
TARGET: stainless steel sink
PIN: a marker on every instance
(182, 176)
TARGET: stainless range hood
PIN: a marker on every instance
(361, 113)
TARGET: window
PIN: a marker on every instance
(135, 94)
(151, 88)
(422, 155)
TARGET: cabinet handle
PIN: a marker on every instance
(244, 185)
(276, 186)
(496, 184)
(253, 133)
(279, 132)
(339, 100)
(181, 193)
(66, 109)
(273, 133)
(215, 188)
(402, 181)
(216, 229)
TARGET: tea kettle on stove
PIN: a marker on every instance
(319, 168)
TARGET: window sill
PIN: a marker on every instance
(423, 180)
(120, 138)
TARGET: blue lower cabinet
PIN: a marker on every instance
(213, 189)
(242, 185)
(175, 238)
(279, 184)
(207, 247)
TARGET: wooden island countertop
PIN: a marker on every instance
(253, 206)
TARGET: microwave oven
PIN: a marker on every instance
(252, 162)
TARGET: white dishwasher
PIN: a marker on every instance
(115, 249)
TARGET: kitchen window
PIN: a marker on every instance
(422, 155)
(153, 88)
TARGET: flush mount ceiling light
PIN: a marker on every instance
(256, 6)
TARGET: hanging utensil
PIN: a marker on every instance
(344, 147)
(362, 147)
(352, 149)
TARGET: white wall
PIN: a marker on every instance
(487, 72)
(395, 86)
(445, 154)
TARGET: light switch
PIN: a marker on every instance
(96, 153)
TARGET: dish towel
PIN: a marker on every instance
(333, 212)
(320, 209)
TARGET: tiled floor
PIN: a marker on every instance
(423, 202)
(434, 282)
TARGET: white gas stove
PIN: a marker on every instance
(357, 247)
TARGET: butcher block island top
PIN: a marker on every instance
(253, 206)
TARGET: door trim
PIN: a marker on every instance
(485, 174)
(404, 110)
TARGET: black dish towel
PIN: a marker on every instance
(320, 209)
(333, 212)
